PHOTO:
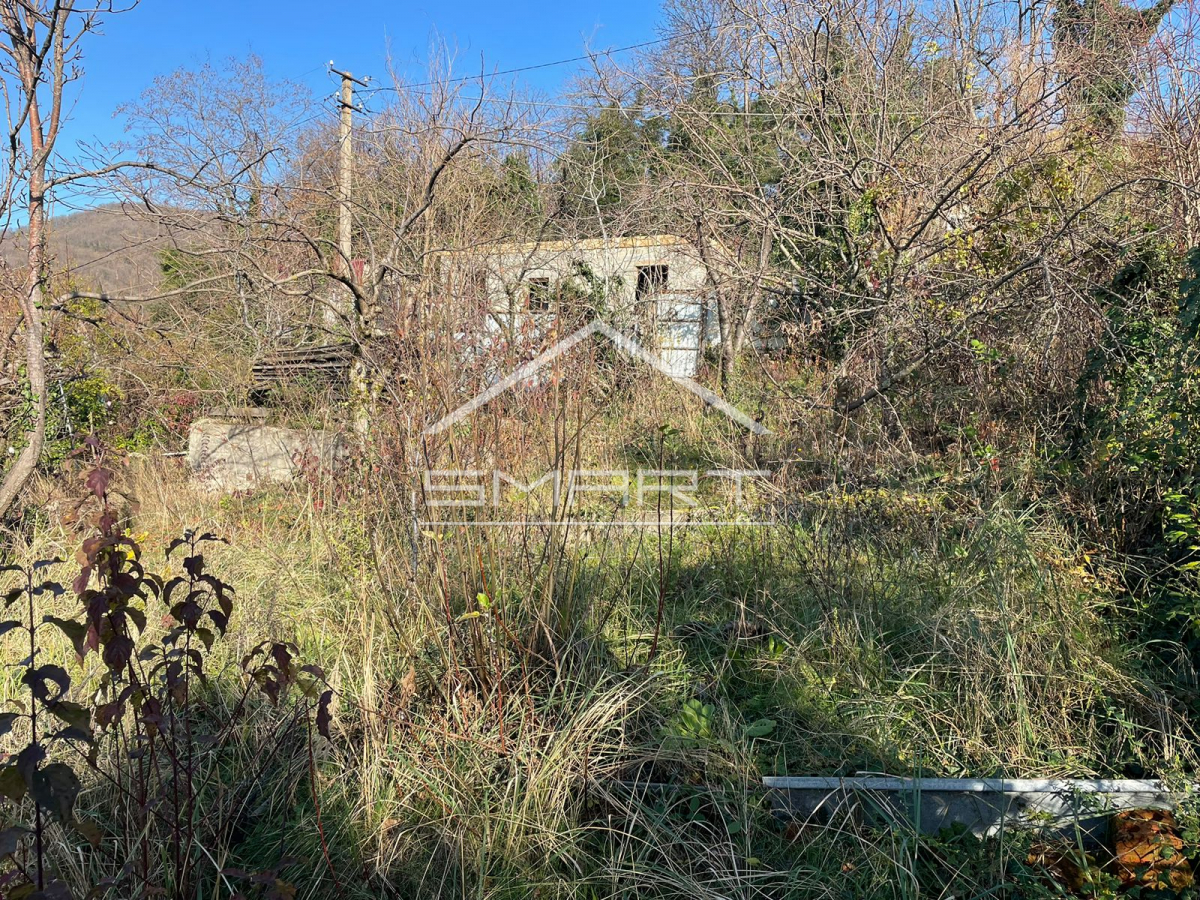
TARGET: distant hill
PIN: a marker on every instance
(106, 248)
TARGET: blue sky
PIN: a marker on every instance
(296, 39)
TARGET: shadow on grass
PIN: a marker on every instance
(486, 758)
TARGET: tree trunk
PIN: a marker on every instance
(33, 297)
(725, 334)
(35, 357)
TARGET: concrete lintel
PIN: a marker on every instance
(968, 785)
(1076, 808)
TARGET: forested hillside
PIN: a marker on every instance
(107, 248)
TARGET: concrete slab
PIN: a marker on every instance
(235, 456)
(1078, 808)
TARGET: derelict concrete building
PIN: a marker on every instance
(655, 285)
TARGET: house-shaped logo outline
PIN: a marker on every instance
(626, 345)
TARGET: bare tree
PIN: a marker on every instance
(212, 154)
(1166, 127)
(40, 44)
(891, 177)
(243, 173)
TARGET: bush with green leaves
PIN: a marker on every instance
(1138, 451)
(150, 733)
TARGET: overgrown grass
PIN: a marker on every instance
(495, 701)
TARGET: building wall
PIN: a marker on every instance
(506, 270)
(676, 320)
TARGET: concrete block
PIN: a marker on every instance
(1076, 808)
(237, 456)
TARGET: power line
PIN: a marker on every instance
(712, 113)
(724, 114)
(557, 62)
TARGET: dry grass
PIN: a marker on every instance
(480, 750)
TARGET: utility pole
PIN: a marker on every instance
(360, 383)
(346, 169)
